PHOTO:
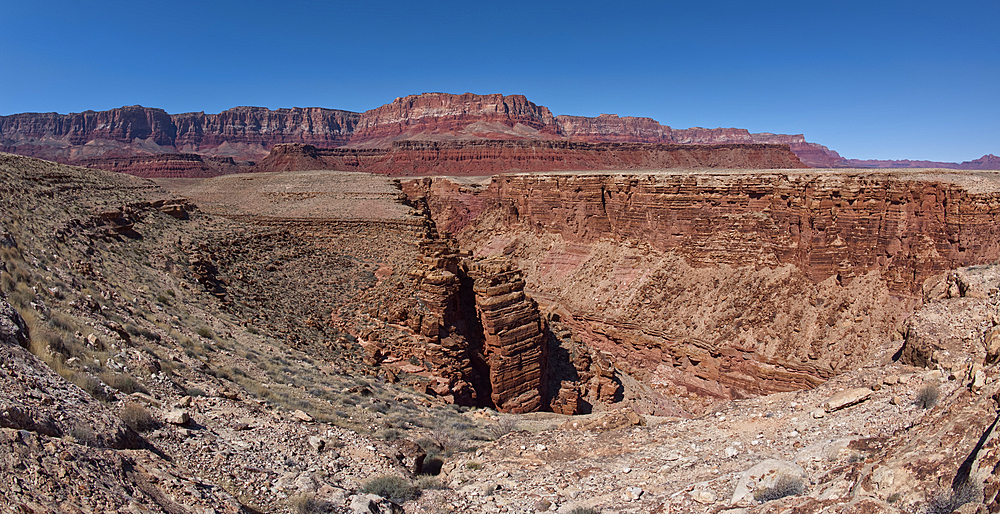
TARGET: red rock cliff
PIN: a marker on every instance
(841, 225)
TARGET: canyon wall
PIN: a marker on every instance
(727, 284)
(829, 225)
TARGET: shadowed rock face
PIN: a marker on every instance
(827, 225)
(513, 341)
(677, 275)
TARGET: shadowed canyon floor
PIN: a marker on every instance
(280, 342)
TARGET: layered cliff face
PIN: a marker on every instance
(489, 157)
(513, 340)
(243, 133)
(251, 133)
(439, 113)
(727, 284)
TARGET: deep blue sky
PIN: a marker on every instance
(870, 79)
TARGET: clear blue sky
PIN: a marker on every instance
(870, 79)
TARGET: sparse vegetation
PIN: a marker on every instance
(425, 482)
(393, 487)
(138, 417)
(501, 427)
(473, 465)
(308, 503)
(928, 396)
(584, 510)
(784, 485)
(948, 501)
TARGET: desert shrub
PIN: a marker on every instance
(389, 434)
(138, 417)
(90, 384)
(503, 426)
(785, 485)
(61, 321)
(393, 487)
(425, 482)
(894, 497)
(205, 332)
(928, 396)
(83, 434)
(473, 465)
(122, 382)
(195, 391)
(307, 503)
(584, 510)
(449, 441)
(950, 500)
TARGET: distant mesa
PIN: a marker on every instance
(468, 129)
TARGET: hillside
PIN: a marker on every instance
(674, 340)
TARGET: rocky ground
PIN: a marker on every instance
(157, 361)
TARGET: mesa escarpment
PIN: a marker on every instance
(139, 135)
(680, 275)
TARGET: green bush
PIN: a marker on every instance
(393, 487)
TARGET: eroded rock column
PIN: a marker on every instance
(513, 340)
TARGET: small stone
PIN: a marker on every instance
(891, 380)
(896, 400)
(818, 413)
(539, 447)
(978, 381)
(183, 402)
(177, 417)
(542, 505)
(301, 416)
(904, 379)
(847, 398)
(633, 493)
(703, 496)
(626, 470)
(317, 442)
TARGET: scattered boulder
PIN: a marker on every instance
(373, 504)
(12, 327)
(301, 416)
(177, 417)
(847, 398)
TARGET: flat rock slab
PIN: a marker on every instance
(847, 398)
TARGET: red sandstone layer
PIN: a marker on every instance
(490, 157)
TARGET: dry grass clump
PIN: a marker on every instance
(392, 487)
(785, 485)
(501, 427)
(138, 417)
(308, 503)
